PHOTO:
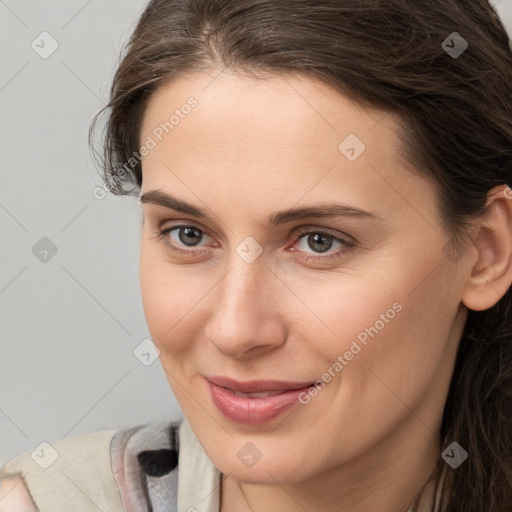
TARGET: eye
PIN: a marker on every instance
(186, 235)
(321, 242)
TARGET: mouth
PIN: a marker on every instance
(254, 402)
(258, 388)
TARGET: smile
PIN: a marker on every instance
(254, 405)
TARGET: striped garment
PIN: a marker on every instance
(153, 467)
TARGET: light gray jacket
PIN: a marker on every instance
(126, 470)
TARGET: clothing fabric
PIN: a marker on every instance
(152, 467)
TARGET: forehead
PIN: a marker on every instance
(298, 109)
(249, 138)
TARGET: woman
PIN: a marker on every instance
(260, 135)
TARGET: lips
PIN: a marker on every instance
(254, 402)
(273, 387)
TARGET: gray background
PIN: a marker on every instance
(69, 324)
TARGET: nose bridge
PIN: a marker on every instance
(241, 291)
(243, 310)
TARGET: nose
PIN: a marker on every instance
(247, 319)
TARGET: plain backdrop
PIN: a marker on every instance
(71, 317)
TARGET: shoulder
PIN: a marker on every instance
(84, 472)
(68, 470)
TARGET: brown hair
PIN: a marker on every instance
(456, 115)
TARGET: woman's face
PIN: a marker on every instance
(269, 283)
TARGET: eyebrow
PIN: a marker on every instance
(320, 211)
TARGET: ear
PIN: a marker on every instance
(491, 275)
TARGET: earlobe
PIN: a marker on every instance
(491, 276)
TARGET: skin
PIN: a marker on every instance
(253, 147)
(14, 496)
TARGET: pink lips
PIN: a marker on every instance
(256, 410)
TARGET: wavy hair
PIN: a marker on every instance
(455, 117)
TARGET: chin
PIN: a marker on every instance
(266, 471)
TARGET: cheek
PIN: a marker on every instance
(353, 309)
(384, 323)
(173, 300)
(400, 338)
(158, 294)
